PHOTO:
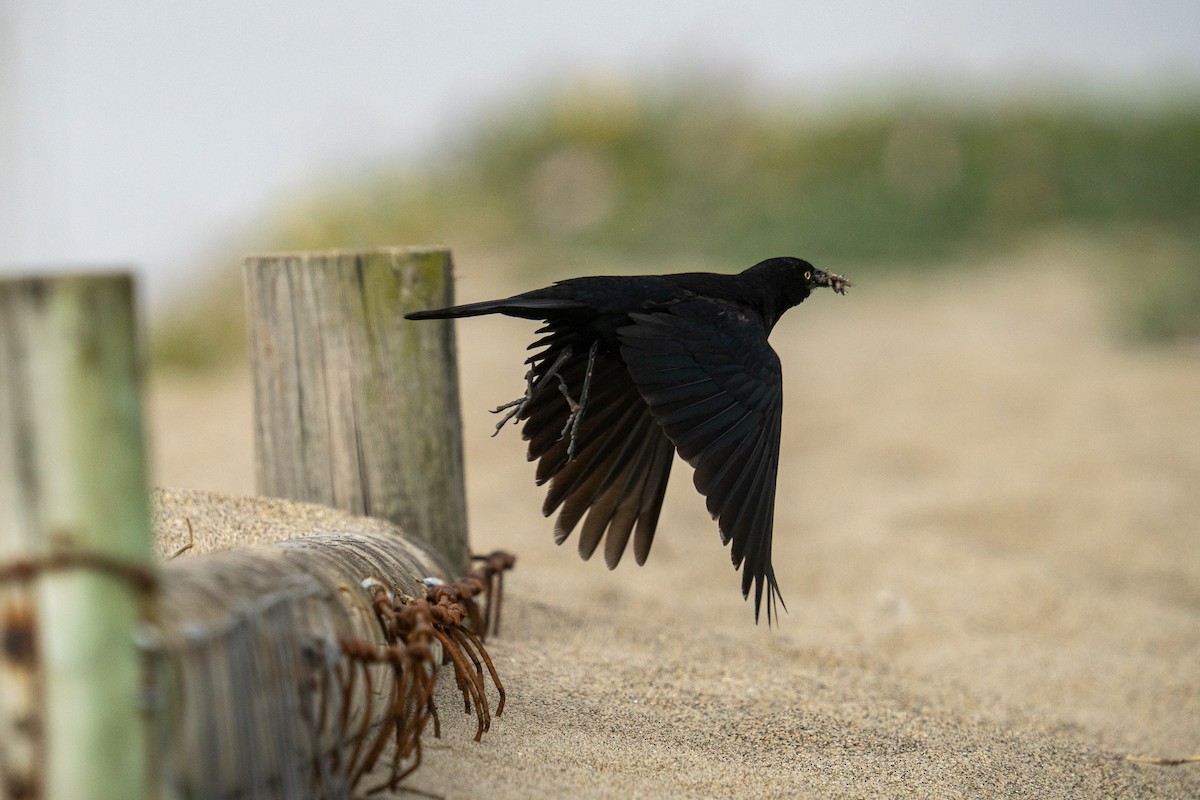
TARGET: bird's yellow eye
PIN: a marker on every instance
(807, 275)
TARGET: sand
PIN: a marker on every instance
(987, 535)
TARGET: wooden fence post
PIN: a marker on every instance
(75, 547)
(355, 407)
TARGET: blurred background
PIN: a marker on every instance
(606, 136)
(540, 142)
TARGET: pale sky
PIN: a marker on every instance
(142, 132)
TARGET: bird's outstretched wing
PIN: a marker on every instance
(622, 459)
(714, 384)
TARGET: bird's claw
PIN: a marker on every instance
(516, 407)
(533, 385)
(574, 418)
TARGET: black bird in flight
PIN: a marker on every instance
(630, 369)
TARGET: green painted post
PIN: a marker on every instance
(355, 407)
(73, 512)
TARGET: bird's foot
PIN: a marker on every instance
(516, 408)
(575, 417)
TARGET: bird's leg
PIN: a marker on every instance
(532, 387)
(575, 418)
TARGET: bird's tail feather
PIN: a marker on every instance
(525, 307)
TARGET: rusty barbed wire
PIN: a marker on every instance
(447, 615)
(143, 577)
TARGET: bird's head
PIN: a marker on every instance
(785, 282)
(795, 279)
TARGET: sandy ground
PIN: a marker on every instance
(987, 535)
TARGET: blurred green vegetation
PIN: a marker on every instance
(614, 179)
(204, 329)
(1162, 302)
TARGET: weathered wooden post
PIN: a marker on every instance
(355, 407)
(75, 548)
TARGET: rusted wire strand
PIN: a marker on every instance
(476, 642)
(489, 578)
(142, 577)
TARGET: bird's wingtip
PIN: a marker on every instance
(774, 599)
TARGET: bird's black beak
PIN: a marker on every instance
(828, 279)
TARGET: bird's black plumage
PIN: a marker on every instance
(630, 369)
